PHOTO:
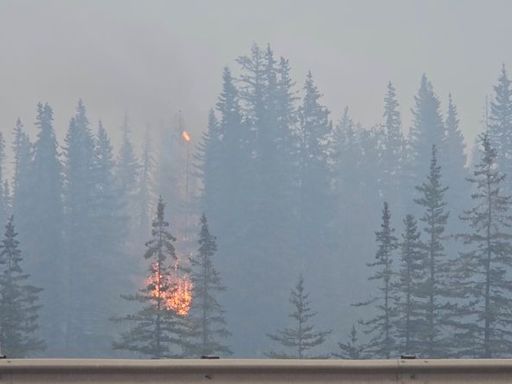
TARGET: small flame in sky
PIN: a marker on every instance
(185, 136)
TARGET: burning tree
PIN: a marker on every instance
(207, 315)
(303, 336)
(159, 328)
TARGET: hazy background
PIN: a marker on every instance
(152, 58)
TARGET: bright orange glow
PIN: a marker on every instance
(178, 295)
(185, 136)
(181, 299)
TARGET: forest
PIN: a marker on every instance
(282, 232)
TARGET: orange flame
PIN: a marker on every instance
(178, 298)
(185, 136)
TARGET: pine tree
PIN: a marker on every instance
(485, 262)
(79, 191)
(393, 152)
(353, 349)
(18, 301)
(23, 151)
(436, 292)
(454, 161)
(43, 231)
(206, 313)
(314, 175)
(127, 175)
(500, 123)
(427, 130)
(156, 330)
(410, 305)
(380, 328)
(302, 336)
(146, 186)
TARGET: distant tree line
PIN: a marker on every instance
(288, 191)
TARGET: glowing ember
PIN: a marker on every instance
(178, 298)
(185, 136)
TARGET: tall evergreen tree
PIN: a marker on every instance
(394, 145)
(454, 161)
(22, 149)
(127, 174)
(410, 303)
(485, 263)
(43, 231)
(206, 313)
(302, 336)
(79, 191)
(19, 306)
(427, 130)
(436, 292)
(315, 204)
(380, 328)
(500, 123)
(155, 328)
(146, 185)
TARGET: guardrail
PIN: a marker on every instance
(255, 371)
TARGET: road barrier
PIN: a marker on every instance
(255, 371)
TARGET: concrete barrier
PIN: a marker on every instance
(254, 371)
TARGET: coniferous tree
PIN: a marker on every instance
(22, 149)
(393, 151)
(43, 231)
(314, 174)
(435, 291)
(380, 328)
(79, 191)
(353, 349)
(146, 187)
(410, 304)
(454, 161)
(427, 130)
(487, 287)
(500, 124)
(302, 336)
(206, 313)
(156, 330)
(127, 174)
(19, 308)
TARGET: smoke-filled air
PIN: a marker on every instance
(263, 179)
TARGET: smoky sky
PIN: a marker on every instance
(150, 59)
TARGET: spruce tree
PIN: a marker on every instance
(79, 194)
(19, 308)
(146, 185)
(393, 151)
(454, 161)
(483, 267)
(155, 328)
(353, 349)
(42, 236)
(315, 205)
(435, 291)
(380, 328)
(500, 124)
(206, 313)
(127, 174)
(427, 130)
(302, 336)
(410, 305)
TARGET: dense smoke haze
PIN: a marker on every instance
(153, 58)
(279, 179)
